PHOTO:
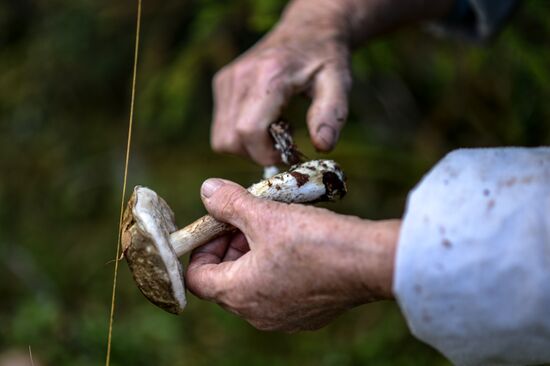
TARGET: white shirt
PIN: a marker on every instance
(473, 262)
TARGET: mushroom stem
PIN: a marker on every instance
(198, 233)
(310, 182)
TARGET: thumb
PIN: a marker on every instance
(228, 202)
(329, 109)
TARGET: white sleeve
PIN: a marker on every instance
(473, 262)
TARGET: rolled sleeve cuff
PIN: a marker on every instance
(473, 263)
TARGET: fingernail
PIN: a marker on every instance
(210, 186)
(327, 134)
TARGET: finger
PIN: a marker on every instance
(227, 98)
(231, 203)
(205, 277)
(329, 109)
(238, 247)
(261, 108)
(212, 252)
(277, 80)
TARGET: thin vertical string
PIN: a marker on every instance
(30, 355)
(128, 144)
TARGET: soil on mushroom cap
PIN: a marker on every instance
(301, 179)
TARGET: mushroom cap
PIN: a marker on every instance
(310, 182)
(147, 224)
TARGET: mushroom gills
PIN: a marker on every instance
(152, 260)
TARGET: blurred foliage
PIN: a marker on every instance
(64, 96)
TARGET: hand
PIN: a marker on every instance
(306, 52)
(291, 267)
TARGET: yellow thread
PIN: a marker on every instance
(128, 143)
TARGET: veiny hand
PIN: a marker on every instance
(306, 52)
(291, 267)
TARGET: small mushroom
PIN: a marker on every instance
(151, 244)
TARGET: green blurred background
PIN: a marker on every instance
(65, 70)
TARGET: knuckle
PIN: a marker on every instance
(271, 70)
(216, 143)
(218, 146)
(272, 73)
(219, 78)
(238, 301)
(225, 142)
(265, 326)
(268, 323)
(242, 70)
(247, 130)
(273, 63)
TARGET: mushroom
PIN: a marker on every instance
(152, 244)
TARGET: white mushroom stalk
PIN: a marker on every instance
(151, 244)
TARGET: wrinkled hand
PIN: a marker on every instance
(306, 52)
(291, 267)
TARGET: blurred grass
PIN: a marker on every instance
(64, 91)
